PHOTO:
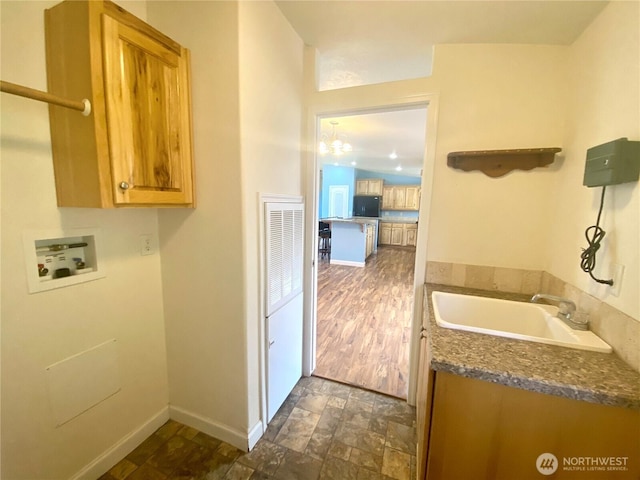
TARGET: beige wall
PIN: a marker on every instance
(572, 97)
(270, 120)
(247, 80)
(202, 264)
(495, 97)
(603, 103)
(43, 328)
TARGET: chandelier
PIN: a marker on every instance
(334, 144)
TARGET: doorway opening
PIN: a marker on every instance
(364, 314)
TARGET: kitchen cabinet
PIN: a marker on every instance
(135, 148)
(470, 428)
(387, 198)
(370, 240)
(397, 234)
(411, 235)
(401, 197)
(412, 198)
(400, 234)
(385, 234)
(369, 187)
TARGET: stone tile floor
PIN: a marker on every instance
(324, 430)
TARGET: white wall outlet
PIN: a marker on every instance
(146, 244)
(617, 272)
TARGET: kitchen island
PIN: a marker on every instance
(353, 239)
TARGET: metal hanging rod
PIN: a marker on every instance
(83, 106)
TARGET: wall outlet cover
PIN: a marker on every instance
(146, 244)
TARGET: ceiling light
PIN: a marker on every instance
(334, 144)
(398, 168)
(353, 163)
(393, 155)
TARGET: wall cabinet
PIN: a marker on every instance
(400, 197)
(135, 149)
(387, 198)
(412, 198)
(369, 187)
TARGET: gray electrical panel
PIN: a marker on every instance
(612, 163)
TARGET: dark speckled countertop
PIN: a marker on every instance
(577, 374)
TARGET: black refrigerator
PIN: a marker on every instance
(366, 206)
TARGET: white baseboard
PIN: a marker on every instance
(349, 263)
(256, 433)
(242, 440)
(122, 448)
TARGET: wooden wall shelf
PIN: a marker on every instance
(496, 163)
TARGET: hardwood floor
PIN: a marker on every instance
(364, 321)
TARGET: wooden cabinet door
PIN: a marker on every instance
(375, 187)
(387, 198)
(424, 399)
(397, 234)
(485, 431)
(399, 196)
(385, 234)
(148, 115)
(411, 235)
(412, 198)
(369, 245)
(362, 187)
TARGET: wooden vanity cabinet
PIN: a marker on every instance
(469, 428)
(135, 148)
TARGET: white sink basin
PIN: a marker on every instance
(505, 318)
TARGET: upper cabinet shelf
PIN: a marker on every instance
(496, 163)
(135, 148)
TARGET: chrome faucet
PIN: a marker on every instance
(566, 310)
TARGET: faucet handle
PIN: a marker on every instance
(566, 307)
(581, 320)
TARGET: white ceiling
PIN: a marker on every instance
(374, 136)
(364, 42)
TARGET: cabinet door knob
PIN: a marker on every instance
(124, 185)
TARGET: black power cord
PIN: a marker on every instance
(594, 235)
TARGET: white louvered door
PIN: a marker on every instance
(284, 242)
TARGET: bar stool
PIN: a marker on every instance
(324, 244)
